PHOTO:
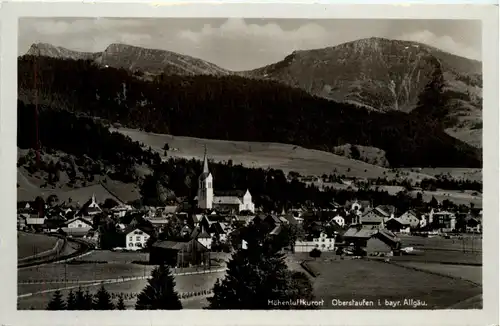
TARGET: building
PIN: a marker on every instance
(90, 208)
(443, 221)
(371, 241)
(397, 225)
(76, 227)
(234, 200)
(373, 219)
(410, 218)
(339, 220)
(179, 253)
(203, 237)
(136, 237)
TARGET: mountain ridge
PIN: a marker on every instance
(376, 74)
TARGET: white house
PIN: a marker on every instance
(232, 200)
(323, 242)
(135, 238)
(339, 220)
(78, 222)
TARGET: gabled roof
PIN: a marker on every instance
(398, 221)
(229, 193)
(276, 230)
(372, 216)
(362, 233)
(227, 200)
(89, 207)
(79, 218)
(132, 228)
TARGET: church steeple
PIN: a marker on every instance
(205, 162)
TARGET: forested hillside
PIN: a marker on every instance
(236, 108)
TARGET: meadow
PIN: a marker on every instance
(377, 280)
(469, 273)
(184, 284)
(261, 154)
(29, 244)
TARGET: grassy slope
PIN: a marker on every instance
(259, 154)
(29, 244)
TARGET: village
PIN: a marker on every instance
(352, 228)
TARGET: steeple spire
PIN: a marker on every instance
(205, 161)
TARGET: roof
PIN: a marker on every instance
(274, 218)
(388, 209)
(204, 175)
(227, 200)
(132, 228)
(76, 231)
(363, 233)
(397, 220)
(276, 230)
(372, 216)
(229, 193)
(89, 207)
(388, 236)
(35, 220)
(382, 211)
(79, 218)
(198, 233)
(409, 212)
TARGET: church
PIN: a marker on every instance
(207, 198)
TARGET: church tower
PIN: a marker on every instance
(205, 186)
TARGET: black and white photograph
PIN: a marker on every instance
(233, 163)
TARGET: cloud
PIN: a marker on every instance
(445, 43)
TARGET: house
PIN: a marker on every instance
(373, 219)
(358, 206)
(382, 243)
(35, 223)
(397, 225)
(410, 218)
(179, 253)
(78, 222)
(232, 200)
(385, 210)
(473, 224)
(203, 237)
(90, 208)
(121, 210)
(136, 237)
(339, 220)
(444, 221)
(371, 241)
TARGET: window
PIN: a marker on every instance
(138, 244)
(138, 238)
(130, 238)
(79, 225)
(130, 244)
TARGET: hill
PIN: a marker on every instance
(135, 59)
(236, 108)
(386, 75)
(289, 158)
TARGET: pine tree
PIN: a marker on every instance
(57, 302)
(87, 302)
(102, 300)
(256, 276)
(79, 300)
(121, 304)
(71, 301)
(160, 292)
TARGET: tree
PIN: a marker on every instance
(71, 301)
(433, 203)
(315, 253)
(87, 302)
(160, 292)
(301, 287)
(102, 300)
(80, 302)
(355, 154)
(166, 147)
(256, 276)
(110, 203)
(57, 302)
(121, 304)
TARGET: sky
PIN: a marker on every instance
(241, 44)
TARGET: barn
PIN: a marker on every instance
(179, 253)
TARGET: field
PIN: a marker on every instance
(29, 188)
(469, 273)
(458, 173)
(29, 244)
(184, 283)
(259, 154)
(467, 243)
(350, 279)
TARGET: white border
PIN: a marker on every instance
(10, 12)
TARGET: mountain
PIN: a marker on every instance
(386, 75)
(133, 58)
(236, 108)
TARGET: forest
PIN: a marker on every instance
(237, 108)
